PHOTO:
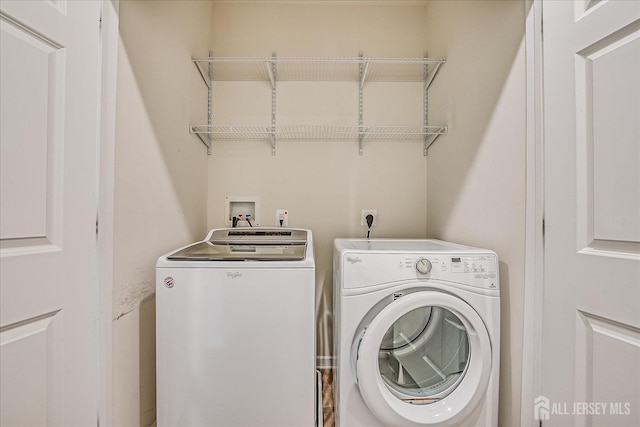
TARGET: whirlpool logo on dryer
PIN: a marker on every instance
(233, 274)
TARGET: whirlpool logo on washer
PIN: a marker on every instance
(354, 259)
(233, 274)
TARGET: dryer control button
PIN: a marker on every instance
(423, 266)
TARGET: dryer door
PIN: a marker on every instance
(424, 360)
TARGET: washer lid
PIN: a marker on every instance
(253, 244)
(441, 373)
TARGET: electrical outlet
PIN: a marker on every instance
(282, 215)
(363, 217)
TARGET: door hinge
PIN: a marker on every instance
(543, 227)
(97, 224)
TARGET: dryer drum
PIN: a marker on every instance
(428, 359)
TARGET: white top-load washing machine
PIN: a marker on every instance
(235, 330)
(417, 326)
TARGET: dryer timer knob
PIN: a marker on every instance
(423, 266)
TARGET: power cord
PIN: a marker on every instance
(369, 219)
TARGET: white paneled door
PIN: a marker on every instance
(591, 315)
(50, 70)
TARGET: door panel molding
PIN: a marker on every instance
(584, 7)
(33, 64)
(607, 131)
(597, 339)
(34, 346)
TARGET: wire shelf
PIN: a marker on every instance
(315, 68)
(357, 69)
(267, 132)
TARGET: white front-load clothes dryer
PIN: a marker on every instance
(417, 326)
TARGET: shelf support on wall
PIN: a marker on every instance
(425, 100)
(363, 73)
(207, 76)
(269, 66)
(205, 140)
(429, 137)
(204, 73)
(429, 76)
(272, 76)
(209, 143)
(364, 67)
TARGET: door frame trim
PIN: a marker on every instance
(106, 175)
(534, 215)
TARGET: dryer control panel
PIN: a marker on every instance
(370, 269)
(481, 266)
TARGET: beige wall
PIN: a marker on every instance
(323, 184)
(160, 179)
(476, 174)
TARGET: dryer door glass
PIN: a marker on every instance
(434, 374)
(424, 355)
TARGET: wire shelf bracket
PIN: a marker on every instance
(431, 138)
